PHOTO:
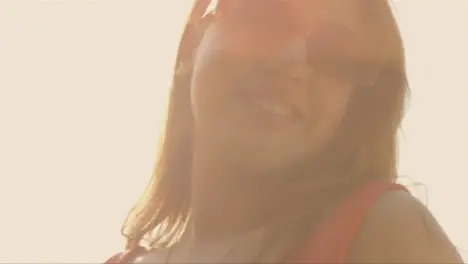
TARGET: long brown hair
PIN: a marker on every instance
(367, 149)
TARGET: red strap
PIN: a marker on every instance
(331, 241)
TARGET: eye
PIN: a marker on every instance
(337, 52)
(254, 14)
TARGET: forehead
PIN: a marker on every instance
(350, 12)
(343, 23)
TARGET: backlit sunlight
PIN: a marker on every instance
(83, 91)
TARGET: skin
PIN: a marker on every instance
(237, 139)
(261, 112)
(400, 229)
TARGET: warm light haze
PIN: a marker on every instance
(83, 88)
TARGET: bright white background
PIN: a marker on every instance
(82, 97)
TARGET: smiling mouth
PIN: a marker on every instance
(270, 100)
(276, 108)
(268, 107)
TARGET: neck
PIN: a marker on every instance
(225, 200)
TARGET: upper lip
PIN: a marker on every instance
(274, 90)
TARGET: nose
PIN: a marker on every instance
(294, 51)
(290, 62)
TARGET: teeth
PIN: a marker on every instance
(275, 108)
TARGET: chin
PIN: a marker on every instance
(265, 157)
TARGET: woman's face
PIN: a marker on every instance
(272, 79)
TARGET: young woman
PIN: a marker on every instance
(280, 142)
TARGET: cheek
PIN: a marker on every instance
(334, 102)
(201, 91)
(212, 76)
(202, 83)
(216, 70)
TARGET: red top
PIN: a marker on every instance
(331, 241)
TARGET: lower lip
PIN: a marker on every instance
(262, 117)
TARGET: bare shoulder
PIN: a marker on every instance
(400, 229)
